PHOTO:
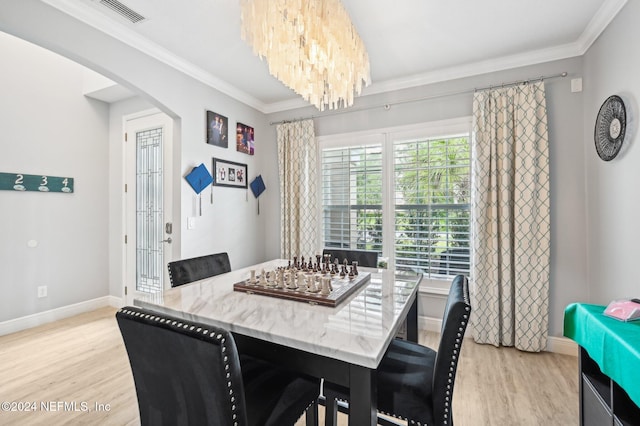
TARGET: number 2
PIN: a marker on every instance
(19, 179)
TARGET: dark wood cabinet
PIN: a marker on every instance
(602, 401)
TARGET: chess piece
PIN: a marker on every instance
(326, 289)
(311, 284)
(280, 279)
(354, 267)
(292, 281)
(271, 279)
(252, 280)
(302, 283)
(263, 279)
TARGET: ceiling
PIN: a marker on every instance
(410, 42)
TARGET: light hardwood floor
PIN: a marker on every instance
(81, 362)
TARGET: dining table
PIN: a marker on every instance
(342, 344)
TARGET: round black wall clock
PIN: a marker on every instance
(610, 127)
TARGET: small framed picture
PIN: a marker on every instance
(217, 129)
(229, 173)
(245, 138)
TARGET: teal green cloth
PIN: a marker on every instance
(614, 345)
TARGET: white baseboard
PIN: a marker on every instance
(559, 345)
(34, 320)
(562, 345)
(429, 324)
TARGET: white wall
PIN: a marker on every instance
(568, 273)
(230, 224)
(612, 67)
(50, 128)
(594, 225)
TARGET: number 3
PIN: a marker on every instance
(44, 181)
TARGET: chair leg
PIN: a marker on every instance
(311, 415)
(331, 410)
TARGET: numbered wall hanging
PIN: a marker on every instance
(39, 183)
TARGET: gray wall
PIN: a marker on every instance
(612, 67)
(230, 224)
(568, 217)
(594, 232)
(50, 128)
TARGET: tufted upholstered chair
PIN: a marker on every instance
(187, 373)
(415, 383)
(197, 268)
(366, 258)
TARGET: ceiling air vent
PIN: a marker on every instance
(123, 10)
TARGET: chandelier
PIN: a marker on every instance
(311, 46)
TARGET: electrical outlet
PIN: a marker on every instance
(42, 291)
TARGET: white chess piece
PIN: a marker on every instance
(280, 280)
(291, 284)
(326, 290)
(252, 280)
(302, 283)
(263, 279)
(311, 284)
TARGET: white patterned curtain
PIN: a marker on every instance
(511, 235)
(298, 189)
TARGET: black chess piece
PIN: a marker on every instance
(354, 267)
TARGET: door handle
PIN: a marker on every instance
(168, 240)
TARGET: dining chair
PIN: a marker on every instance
(188, 270)
(366, 258)
(189, 373)
(415, 383)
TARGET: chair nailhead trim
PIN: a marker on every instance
(191, 327)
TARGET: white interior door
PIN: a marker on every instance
(148, 204)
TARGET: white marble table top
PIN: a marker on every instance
(357, 331)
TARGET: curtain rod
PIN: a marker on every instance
(425, 98)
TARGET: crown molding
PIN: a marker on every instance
(603, 17)
(600, 21)
(120, 32)
(476, 68)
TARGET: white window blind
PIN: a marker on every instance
(432, 205)
(403, 192)
(352, 197)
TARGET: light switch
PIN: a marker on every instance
(576, 85)
(191, 222)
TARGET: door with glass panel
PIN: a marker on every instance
(149, 225)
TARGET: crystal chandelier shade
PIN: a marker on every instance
(311, 46)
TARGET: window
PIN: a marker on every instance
(404, 194)
(352, 197)
(432, 205)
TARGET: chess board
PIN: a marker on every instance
(342, 288)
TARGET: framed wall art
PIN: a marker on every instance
(229, 173)
(245, 138)
(217, 129)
